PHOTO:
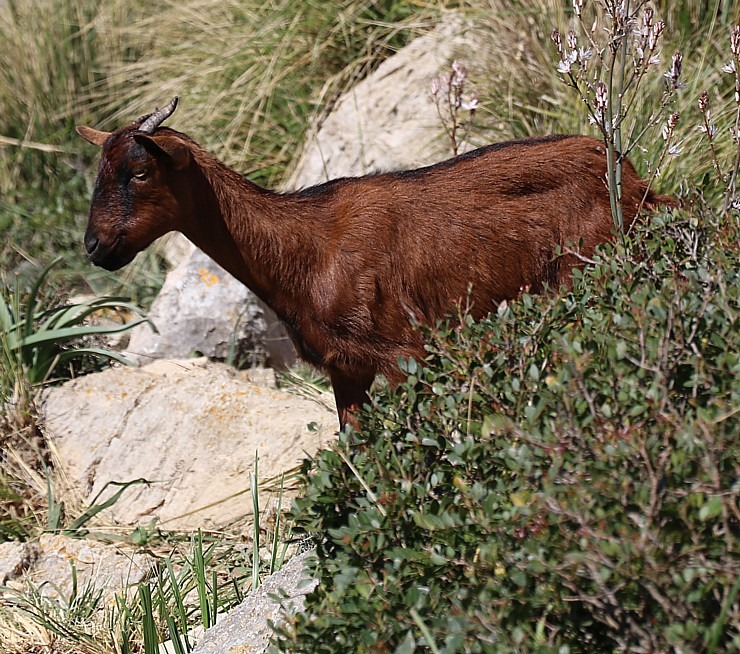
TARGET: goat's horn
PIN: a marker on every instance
(158, 117)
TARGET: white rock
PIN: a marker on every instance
(192, 431)
(52, 562)
(15, 559)
(175, 248)
(387, 121)
(201, 309)
(246, 627)
(100, 566)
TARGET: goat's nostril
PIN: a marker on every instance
(91, 243)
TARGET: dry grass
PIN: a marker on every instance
(246, 72)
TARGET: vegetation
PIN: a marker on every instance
(560, 477)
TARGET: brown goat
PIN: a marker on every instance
(351, 264)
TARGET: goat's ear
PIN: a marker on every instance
(164, 145)
(94, 136)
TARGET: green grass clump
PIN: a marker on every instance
(561, 477)
(195, 579)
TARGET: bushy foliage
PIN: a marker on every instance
(561, 477)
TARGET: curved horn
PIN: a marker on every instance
(158, 117)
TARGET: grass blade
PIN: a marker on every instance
(94, 509)
(199, 570)
(276, 535)
(151, 637)
(253, 477)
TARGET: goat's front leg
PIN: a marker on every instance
(350, 393)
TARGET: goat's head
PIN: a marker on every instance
(136, 198)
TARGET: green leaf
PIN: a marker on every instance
(712, 509)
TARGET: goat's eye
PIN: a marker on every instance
(140, 173)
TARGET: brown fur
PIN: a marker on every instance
(349, 265)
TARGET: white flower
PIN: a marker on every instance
(567, 61)
(655, 33)
(729, 68)
(703, 104)
(601, 98)
(459, 74)
(675, 149)
(674, 74)
(572, 40)
(470, 105)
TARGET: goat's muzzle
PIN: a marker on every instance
(106, 256)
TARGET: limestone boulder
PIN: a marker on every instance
(15, 558)
(191, 429)
(202, 310)
(55, 563)
(387, 121)
(246, 628)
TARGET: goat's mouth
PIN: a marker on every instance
(110, 257)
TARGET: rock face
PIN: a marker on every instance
(387, 121)
(191, 430)
(47, 563)
(15, 559)
(202, 309)
(246, 629)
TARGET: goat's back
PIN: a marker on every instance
(490, 220)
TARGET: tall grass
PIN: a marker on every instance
(522, 93)
(195, 579)
(246, 71)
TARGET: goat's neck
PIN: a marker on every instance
(260, 237)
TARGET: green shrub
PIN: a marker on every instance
(561, 477)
